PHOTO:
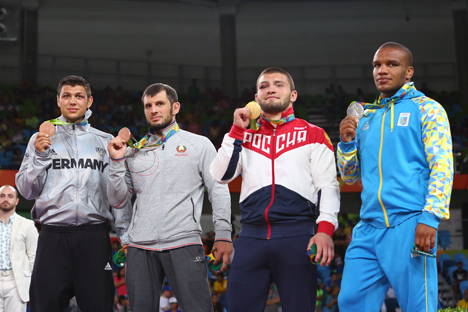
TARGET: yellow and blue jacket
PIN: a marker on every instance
(402, 154)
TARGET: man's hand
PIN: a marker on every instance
(348, 127)
(222, 250)
(325, 248)
(125, 248)
(117, 148)
(241, 117)
(42, 142)
(425, 237)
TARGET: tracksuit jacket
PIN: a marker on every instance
(169, 182)
(68, 180)
(402, 153)
(288, 174)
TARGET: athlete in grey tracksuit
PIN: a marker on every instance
(163, 229)
(68, 181)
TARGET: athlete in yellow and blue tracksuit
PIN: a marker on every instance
(402, 154)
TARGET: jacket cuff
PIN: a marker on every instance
(429, 219)
(223, 236)
(237, 132)
(44, 155)
(326, 227)
(117, 165)
(347, 147)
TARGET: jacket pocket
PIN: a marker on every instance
(193, 210)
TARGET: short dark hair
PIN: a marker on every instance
(155, 88)
(74, 81)
(7, 185)
(399, 46)
(272, 70)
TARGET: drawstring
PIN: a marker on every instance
(391, 124)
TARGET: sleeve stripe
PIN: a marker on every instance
(231, 169)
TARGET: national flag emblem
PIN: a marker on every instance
(403, 119)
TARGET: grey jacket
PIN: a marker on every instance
(68, 180)
(169, 182)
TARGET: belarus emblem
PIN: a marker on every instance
(181, 149)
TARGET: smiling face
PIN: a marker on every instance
(392, 70)
(73, 102)
(274, 93)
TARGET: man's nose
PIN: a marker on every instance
(383, 69)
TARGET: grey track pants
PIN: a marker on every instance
(185, 269)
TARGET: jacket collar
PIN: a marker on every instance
(407, 91)
(288, 112)
(70, 126)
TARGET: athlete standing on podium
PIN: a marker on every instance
(401, 150)
(288, 178)
(67, 176)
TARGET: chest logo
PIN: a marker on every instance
(403, 119)
(102, 152)
(181, 149)
(366, 126)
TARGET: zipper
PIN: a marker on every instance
(380, 168)
(77, 175)
(163, 171)
(193, 210)
(273, 148)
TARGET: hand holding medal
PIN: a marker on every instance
(255, 111)
(42, 142)
(118, 146)
(348, 126)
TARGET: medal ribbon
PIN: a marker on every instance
(58, 122)
(165, 137)
(278, 122)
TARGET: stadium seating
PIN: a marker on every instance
(441, 258)
(459, 257)
(444, 239)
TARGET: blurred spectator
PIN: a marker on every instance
(173, 305)
(220, 285)
(123, 305)
(332, 300)
(164, 299)
(464, 302)
(217, 306)
(273, 300)
(119, 282)
(332, 281)
(320, 295)
(459, 275)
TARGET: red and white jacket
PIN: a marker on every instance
(288, 178)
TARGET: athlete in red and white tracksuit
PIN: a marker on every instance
(288, 183)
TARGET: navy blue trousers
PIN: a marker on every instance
(259, 262)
